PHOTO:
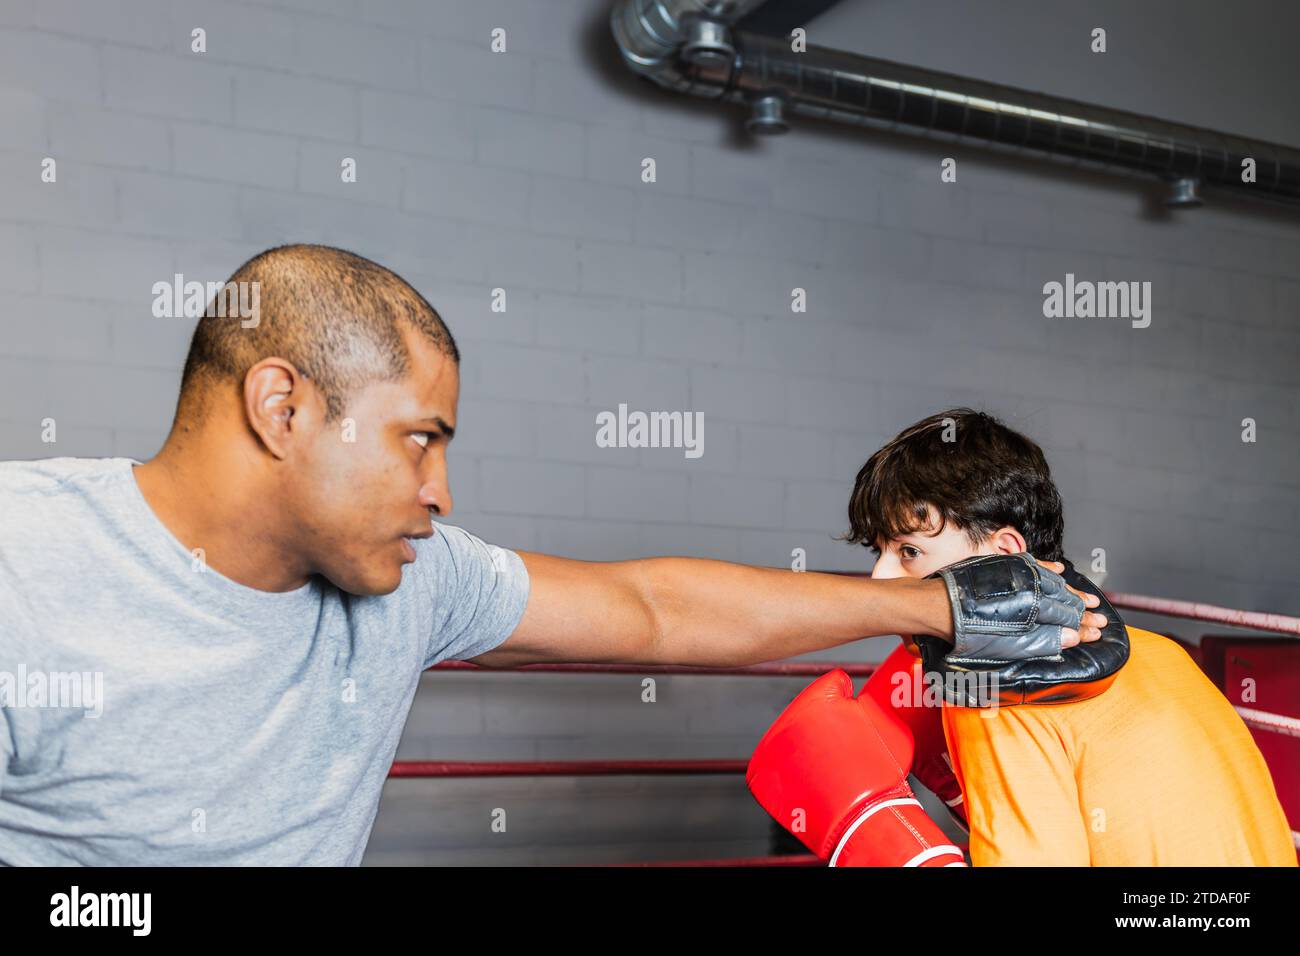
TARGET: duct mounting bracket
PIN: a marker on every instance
(1184, 193)
(767, 115)
(708, 43)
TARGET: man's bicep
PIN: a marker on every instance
(1021, 796)
(577, 611)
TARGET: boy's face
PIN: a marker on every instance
(920, 553)
(923, 552)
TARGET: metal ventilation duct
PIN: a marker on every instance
(691, 46)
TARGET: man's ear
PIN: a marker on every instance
(275, 402)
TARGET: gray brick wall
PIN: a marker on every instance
(522, 171)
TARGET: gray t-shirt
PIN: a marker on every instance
(154, 713)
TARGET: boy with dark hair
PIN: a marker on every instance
(1157, 771)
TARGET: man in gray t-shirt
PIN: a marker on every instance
(208, 658)
(227, 724)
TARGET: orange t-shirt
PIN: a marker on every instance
(1157, 771)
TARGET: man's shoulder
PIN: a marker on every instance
(453, 549)
(52, 503)
(49, 476)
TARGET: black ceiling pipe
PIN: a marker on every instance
(691, 46)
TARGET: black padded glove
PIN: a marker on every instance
(1008, 612)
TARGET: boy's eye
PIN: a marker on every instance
(907, 551)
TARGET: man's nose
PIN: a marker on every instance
(438, 501)
(435, 494)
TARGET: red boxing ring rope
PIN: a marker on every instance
(1258, 620)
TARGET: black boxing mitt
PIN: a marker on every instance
(1017, 599)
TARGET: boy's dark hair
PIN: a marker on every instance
(973, 470)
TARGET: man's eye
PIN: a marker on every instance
(422, 438)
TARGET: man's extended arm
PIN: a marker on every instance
(700, 612)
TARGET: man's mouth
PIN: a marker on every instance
(408, 549)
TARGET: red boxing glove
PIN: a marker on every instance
(832, 770)
(898, 684)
